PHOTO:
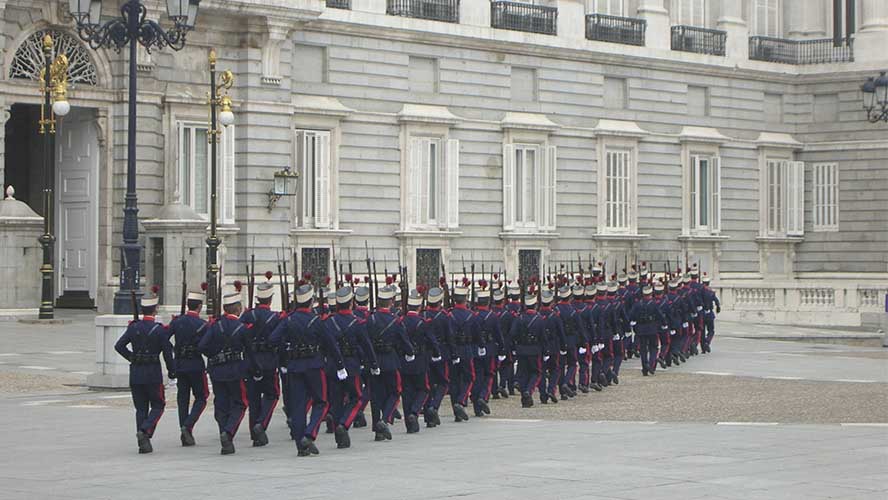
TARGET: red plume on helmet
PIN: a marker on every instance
(357, 282)
(269, 275)
(155, 289)
(306, 276)
(509, 281)
(204, 286)
(532, 289)
(238, 285)
(483, 284)
(634, 268)
(389, 280)
(421, 289)
(300, 283)
(495, 276)
(644, 264)
(551, 285)
(534, 279)
(327, 280)
(366, 279)
(348, 277)
(579, 277)
(465, 281)
(600, 264)
(442, 282)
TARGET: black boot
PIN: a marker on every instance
(187, 437)
(260, 438)
(484, 406)
(144, 442)
(436, 416)
(596, 387)
(301, 450)
(342, 438)
(552, 397)
(308, 444)
(504, 393)
(602, 380)
(662, 362)
(526, 400)
(328, 420)
(412, 424)
(459, 413)
(584, 389)
(615, 378)
(397, 415)
(360, 421)
(382, 431)
(428, 418)
(227, 444)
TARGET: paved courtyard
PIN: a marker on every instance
(754, 419)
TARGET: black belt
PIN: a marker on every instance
(262, 347)
(225, 357)
(144, 359)
(187, 352)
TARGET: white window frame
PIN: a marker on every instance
(764, 12)
(418, 184)
(543, 209)
(825, 196)
(609, 7)
(225, 170)
(319, 204)
(611, 195)
(783, 182)
(713, 189)
(688, 12)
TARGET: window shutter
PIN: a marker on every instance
(322, 181)
(299, 154)
(550, 204)
(414, 181)
(796, 199)
(452, 183)
(184, 181)
(228, 175)
(695, 192)
(715, 215)
(508, 187)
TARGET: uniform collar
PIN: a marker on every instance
(384, 310)
(482, 308)
(147, 318)
(460, 306)
(433, 308)
(193, 314)
(345, 312)
(231, 316)
(263, 306)
(412, 313)
(546, 308)
(303, 310)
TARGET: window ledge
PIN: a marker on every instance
(703, 237)
(427, 233)
(320, 233)
(780, 239)
(528, 121)
(524, 235)
(422, 113)
(620, 237)
(702, 134)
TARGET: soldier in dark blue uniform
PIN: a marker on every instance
(504, 317)
(550, 379)
(584, 350)
(529, 346)
(439, 371)
(149, 340)
(574, 338)
(711, 307)
(675, 308)
(346, 396)
(663, 336)
(387, 334)
(466, 340)
(307, 342)
(490, 347)
(263, 392)
(226, 344)
(415, 373)
(647, 320)
(190, 369)
(595, 316)
(513, 310)
(362, 311)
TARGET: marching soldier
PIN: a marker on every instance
(416, 373)
(264, 391)
(504, 318)
(307, 342)
(466, 339)
(347, 396)
(663, 336)
(191, 371)
(555, 345)
(574, 338)
(388, 336)
(596, 322)
(362, 311)
(710, 299)
(489, 349)
(439, 372)
(225, 345)
(529, 346)
(646, 320)
(507, 368)
(584, 351)
(676, 306)
(149, 339)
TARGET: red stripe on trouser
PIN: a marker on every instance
(428, 388)
(246, 401)
(277, 393)
(357, 406)
(465, 398)
(206, 385)
(317, 426)
(163, 401)
(486, 395)
(446, 379)
(389, 416)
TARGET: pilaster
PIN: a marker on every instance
(658, 26)
(732, 22)
(276, 33)
(871, 40)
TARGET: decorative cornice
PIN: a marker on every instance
(780, 240)
(619, 128)
(714, 238)
(528, 121)
(428, 234)
(301, 232)
(421, 113)
(702, 134)
(777, 140)
(319, 105)
(526, 236)
(620, 237)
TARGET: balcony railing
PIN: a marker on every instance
(519, 16)
(699, 40)
(435, 10)
(339, 4)
(615, 29)
(782, 50)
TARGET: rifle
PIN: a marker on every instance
(285, 297)
(447, 302)
(184, 281)
(375, 278)
(349, 257)
(251, 276)
(337, 281)
(133, 300)
(521, 285)
(286, 284)
(369, 273)
(472, 284)
(405, 287)
(219, 293)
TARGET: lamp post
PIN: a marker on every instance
(53, 86)
(875, 98)
(218, 97)
(132, 28)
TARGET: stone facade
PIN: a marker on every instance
(373, 81)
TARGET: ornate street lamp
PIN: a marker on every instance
(218, 98)
(132, 28)
(875, 98)
(54, 87)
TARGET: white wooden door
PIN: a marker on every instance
(77, 166)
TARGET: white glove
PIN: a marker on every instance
(699, 308)
(501, 358)
(632, 323)
(616, 337)
(341, 374)
(600, 346)
(284, 370)
(545, 358)
(563, 353)
(684, 325)
(482, 351)
(409, 357)
(671, 332)
(435, 359)
(257, 379)
(582, 350)
(375, 371)
(456, 361)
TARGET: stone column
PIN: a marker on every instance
(572, 19)
(658, 25)
(4, 117)
(872, 38)
(20, 257)
(731, 21)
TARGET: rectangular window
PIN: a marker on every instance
(688, 12)
(195, 170)
(773, 108)
(766, 18)
(617, 190)
(529, 182)
(826, 196)
(423, 75)
(313, 166)
(316, 261)
(610, 7)
(614, 93)
(698, 101)
(826, 108)
(785, 184)
(312, 66)
(433, 183)
(524, 85)
(705, 194)
(428, 266)
(529, 264)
